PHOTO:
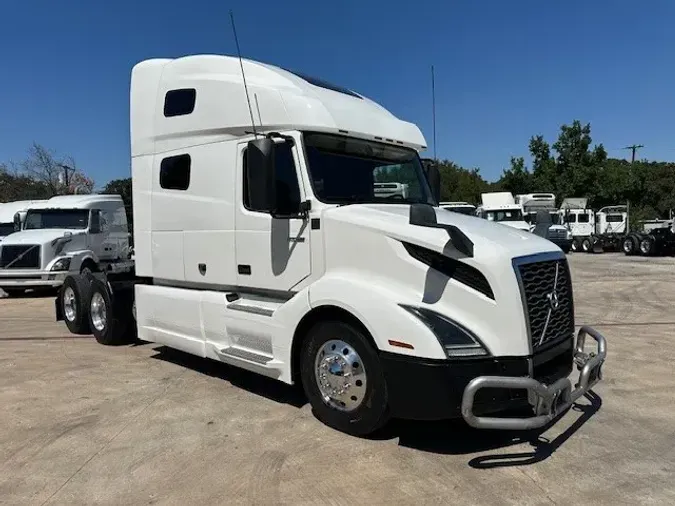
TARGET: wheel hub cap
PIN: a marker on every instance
(99, 315)
(69, 304)
(340, 375)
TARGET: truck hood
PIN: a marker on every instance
(490, 239)
(39, 236)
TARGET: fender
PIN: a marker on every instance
(378, 310)
(78, 258)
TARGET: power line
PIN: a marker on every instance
(633, 149)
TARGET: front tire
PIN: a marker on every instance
(74, 300)
(343, 379)
(109, 317)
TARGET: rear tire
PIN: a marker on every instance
(74, 301)
(629, 245)
(576, 245)
(647, 246)
(109, 317)
(587, 245)
(343, 379)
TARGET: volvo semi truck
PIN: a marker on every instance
(261, 243)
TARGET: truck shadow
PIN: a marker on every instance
(457, 438)
(444, 437)
(246, 380)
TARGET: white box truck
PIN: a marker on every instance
(62, 235)
(271, 251)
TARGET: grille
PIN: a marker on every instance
(548, 322)
(29, 260)
(557, 234)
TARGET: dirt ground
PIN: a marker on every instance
(86, 424)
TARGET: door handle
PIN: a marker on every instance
(202, 269)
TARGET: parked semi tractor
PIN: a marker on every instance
(594, 231)
(65, 234)
(653, 241)
(269, 250)
(13, 216)
(501, 207)
(556, 233)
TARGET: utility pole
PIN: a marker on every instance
(66, 168)
(433, 108)
(634, 149)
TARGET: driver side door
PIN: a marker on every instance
(272, 254)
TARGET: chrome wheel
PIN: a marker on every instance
(99, 314)
(69, 304)
(340, 375)
(627, 246)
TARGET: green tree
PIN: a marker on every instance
(122, 187)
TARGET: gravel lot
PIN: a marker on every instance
(86, 424)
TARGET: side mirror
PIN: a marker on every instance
(260, 175)
(17, 222)
(434, 179)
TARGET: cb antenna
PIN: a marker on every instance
(243, 76)
(433, 107)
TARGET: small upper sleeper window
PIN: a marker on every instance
(179, 102)
(174, 172)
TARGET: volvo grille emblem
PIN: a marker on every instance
(553, 303)
(553, 300)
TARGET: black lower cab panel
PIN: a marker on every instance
(426, 389)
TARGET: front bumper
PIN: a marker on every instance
(547, 400)
(30, 278)
(432, 389)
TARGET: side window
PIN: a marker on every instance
(583, 218)
(571, 218)
(179, 102)
(288, 189)
(174, 172)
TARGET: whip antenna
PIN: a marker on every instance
(243, 76)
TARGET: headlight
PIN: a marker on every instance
(455, 339)
(62, 264)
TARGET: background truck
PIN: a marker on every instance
(459, 207)
(13, 215)
(556, 232)
(391, 190)
(63, 234)
(501, 207)
(594, 232)
(261, 243)
(651, 241)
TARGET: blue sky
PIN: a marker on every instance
(505, 70)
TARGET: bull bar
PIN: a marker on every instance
(548, 401)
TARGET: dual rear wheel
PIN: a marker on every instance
(89, 307)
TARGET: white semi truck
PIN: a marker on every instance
(269, 250)
(557, 233)
(501, 207)
(62, 235)
(13, 215)
(594, 231)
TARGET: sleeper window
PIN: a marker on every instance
(174, 172)
(179, 102)
(288, 190)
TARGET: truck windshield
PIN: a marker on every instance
(504, 215)
(345, 170)
(57, 218)
(6, 229)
